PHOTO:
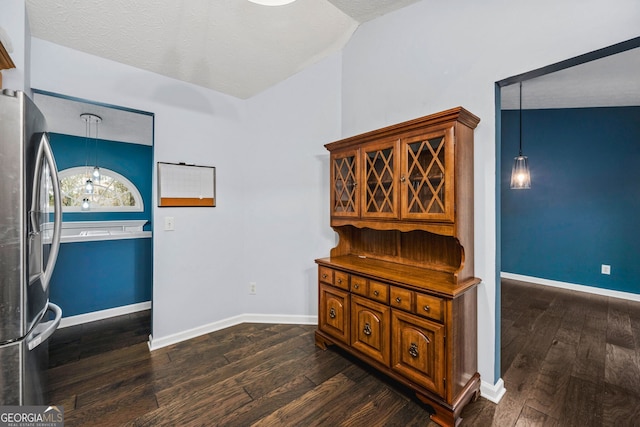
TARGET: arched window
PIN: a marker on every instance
(111, 192)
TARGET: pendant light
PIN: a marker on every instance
(90, 119)
(520, 176)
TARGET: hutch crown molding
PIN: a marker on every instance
(398, 290)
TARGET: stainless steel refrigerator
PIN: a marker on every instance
(29, 204)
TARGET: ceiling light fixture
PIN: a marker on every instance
(88, 120)
(272, 2)
(520, 176)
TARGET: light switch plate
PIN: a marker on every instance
(169, 224)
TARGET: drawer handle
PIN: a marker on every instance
(413, 350)
(367, 329)
(398, 300)
(376, 293)
(339, 280)
(427, 308)
(332, 313)
(356, 286)
(324, 276)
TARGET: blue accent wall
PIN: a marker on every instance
(133, 161)
(583, 206)
(99, 275)
(92, 276)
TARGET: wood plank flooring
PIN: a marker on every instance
(568, 359)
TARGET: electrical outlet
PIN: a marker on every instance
(252, 288)
(169, 224)
(606, 269)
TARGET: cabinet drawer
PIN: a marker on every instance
(418, 351)
(379, 291)
(401, 298)
(359, 285)
(325, 275)
(430, 306)
(334, 312)
(341, 280)
(370, 323)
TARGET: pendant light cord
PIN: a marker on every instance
(87, 129)
(520, 155)
(96, 141)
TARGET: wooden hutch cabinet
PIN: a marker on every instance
(398, 290)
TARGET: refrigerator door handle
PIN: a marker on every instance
(34, 340)
(45, 149)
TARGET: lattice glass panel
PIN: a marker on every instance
(426, 175)
(344, 184)
(379, 178)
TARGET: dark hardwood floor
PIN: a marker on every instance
(568, 359)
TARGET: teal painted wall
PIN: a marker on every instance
(92, 276)
(583, 206)
(99, 275)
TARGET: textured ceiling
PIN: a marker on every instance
(63, 116)
(232, 46)
(241, 48)
(612, 81)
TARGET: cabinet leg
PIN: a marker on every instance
(448, 416)
(320, 342)
(442, 416)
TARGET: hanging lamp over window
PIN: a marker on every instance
(520, 176)
(90, 119)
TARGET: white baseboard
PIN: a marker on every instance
(156, 343)
(572, 286)
(492, 392)
(103, 314)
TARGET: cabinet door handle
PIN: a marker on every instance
(403, 178)
(398, 300)
(324, 276)
(413, 350)
(427, 308)
(376, 293)
(367, 329)
(332, 313)
(339, 281)
(356, 286)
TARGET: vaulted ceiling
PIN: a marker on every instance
(232, 46)
(240, 48)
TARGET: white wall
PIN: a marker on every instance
(433, 56)
(13, 20)
(286, 185)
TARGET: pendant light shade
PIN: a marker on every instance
(520, 175)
